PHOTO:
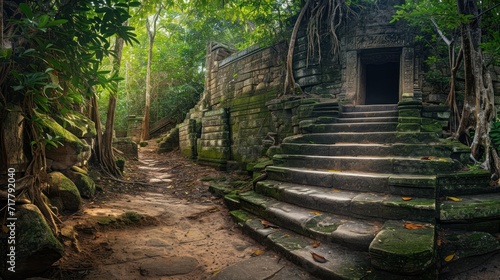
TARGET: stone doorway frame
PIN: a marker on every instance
(354, 64)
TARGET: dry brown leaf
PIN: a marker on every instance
(406, 198)
(449, 258)
(267, 224)
(258, 252)
(409, 225)
(316, 244)
(452, 198)
(5, 229)
(315, 213)
(336, 190)
(428, 158)
(318, 258)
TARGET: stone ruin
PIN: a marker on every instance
(358, 163)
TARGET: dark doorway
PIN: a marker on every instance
(382, 83)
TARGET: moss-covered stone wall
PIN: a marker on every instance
(232, 112)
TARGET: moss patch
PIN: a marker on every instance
(402, 250)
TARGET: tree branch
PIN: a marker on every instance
(441, 34)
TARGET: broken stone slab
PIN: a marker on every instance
(168, 266)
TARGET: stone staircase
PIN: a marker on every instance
(353, 197)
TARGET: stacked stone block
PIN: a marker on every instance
(213, 145)
(187, 138)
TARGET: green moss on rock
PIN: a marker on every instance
(36, 246)
(66, 190)
(402, 250)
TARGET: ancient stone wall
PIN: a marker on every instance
(232, 111)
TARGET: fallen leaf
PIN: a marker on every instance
(452, 198)
(409, 225)
(5, 229)
(267, 224)
(316, 244)
(336, 190)
(258, 252)
(315, 213)
(406, 198)
(449, 258)
(318, 258)
(428, 158)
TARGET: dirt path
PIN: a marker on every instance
(133, 231)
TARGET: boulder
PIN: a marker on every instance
(70, 149)
(36, 247)
(63, 188)
(84, 183)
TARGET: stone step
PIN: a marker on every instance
(324, 112)
(365, 205)
(340, 262)
(404, 247)
(364, 138)
(374, 114)
(367, 120)
(370, 108)
(327, 105)
(468, 208)
(326, 227)
(395, 165)
(354, 149)
(402, 185)
(461, 250)
(307, 127)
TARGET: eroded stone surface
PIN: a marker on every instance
(168, 266)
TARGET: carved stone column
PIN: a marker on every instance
(351, 77)
(407, 71)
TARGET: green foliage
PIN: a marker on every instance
(59, 48)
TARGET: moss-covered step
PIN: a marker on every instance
(375, 114)
(394, 165)
(368, 205)
(467, 208)
(370, 108)
(428, 150)
(351, 232)
(404, 247)
(402, 184)
(460, 250)
(465, 182)
(367, 120)
(348, 127)
(340, 262)
(363, 137)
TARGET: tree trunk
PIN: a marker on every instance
(479, 108)
(289, 79)
(104, 144)
(151, 36)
